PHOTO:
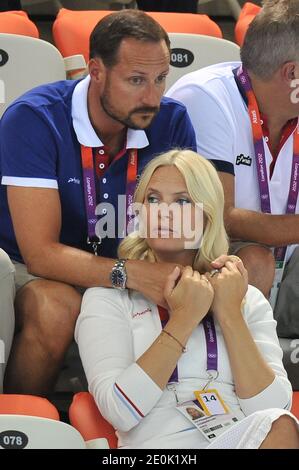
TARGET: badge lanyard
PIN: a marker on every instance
(211, 342)
(89, 184)
(257, 131)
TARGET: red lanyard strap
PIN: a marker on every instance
(260, 157)
(90, 198)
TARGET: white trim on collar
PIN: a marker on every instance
(85, 133)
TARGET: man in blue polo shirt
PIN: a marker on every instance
(65, 148)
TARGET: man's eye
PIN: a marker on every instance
(136, 80)
(161, 79)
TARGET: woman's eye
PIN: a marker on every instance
(152, 199)
(183, 201)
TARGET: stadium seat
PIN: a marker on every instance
(17, 22)
(27, 405)
(190, 52)
(295, 406)
(248, 13)
(71, 29)
(26, 62)
(32, 432)
(86, 418)
(32, 422)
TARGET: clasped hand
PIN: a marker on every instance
(190, 295)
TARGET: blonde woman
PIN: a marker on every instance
(145, 364)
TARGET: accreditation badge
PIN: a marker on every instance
(210, 427)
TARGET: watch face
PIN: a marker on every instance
(117, 277)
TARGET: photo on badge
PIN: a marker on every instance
(192, 410)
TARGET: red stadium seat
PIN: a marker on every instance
(17, 22)
(71, 29)
(248, 13)
(27, 405)
(295, 406)
(86, 418)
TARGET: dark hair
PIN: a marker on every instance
(272, 38)
(107, 35)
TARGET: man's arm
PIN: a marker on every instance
(36, 215)
(243, 224)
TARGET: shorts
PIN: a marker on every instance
(237, 245)
(22, 277)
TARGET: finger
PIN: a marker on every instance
(171, 281)
(204, 278)
(187, 272)
(196, 275)
(231, 266)
(219, 262)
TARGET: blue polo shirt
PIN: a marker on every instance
(40, 146)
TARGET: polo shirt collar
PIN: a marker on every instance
(85, 133)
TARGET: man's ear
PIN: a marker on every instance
(96, 69)
(289, 72)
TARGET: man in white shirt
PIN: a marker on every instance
(245, 117)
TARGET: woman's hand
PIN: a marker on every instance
(221, 261)
(190, 299)
(230, 286)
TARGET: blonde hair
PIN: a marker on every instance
(204, 187)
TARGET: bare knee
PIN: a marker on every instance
(46, 311)
(260, 264)
(284, 434)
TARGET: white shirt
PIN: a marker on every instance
(223, 132)
(115, 328)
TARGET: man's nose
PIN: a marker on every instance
(152, 96)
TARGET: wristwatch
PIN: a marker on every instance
(118, 275)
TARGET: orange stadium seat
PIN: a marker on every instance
(27, 405)
(86, 418)
(17, 22)
(71, 29)
(248, 13)
(295, 405)
(32, 422)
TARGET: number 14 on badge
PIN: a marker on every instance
(211, 402)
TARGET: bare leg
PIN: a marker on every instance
(7, 315)
(260, 264)
(284, 434)
(46, 312)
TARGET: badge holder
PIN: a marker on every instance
(95, 243)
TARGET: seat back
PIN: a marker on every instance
(86, 418)
(187, 23)
(17, 22)
(26, 62)
(248, 13)
(71, 29)
(27, 405)
(32, 432)
(190, 52)
(295, 405)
